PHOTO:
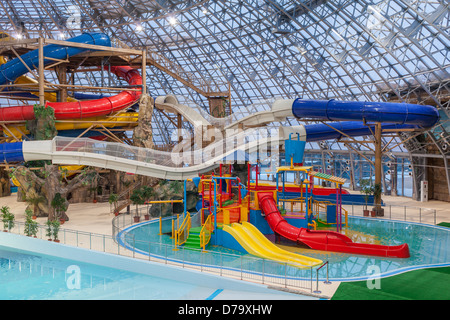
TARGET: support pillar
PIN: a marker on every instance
(41, 72)
(61, 71)
(378, 170)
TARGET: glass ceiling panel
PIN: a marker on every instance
(379, 50)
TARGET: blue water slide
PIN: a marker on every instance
(337, 130)
(385, 112)
(11, 152)
(15, 68)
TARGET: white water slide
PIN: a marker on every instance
(280, 109)
(154, 163)
(201, 120)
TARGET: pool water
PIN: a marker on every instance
(429, 247)
(26, 276)
(30, 276)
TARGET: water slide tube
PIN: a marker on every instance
(44, 150)
(76, 128)
(385, 112)
(13, 69)
(323, 240)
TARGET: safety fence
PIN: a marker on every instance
(395, 212)
(242, 267)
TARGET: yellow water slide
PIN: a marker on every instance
(252, 240)
(122, 119)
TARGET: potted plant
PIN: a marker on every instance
(28, 221)
(113, 200)
(34, 201)
(31, 226)
(34, 228)
(366, 190)
(377, 210)
(8, 219)
(60, 206)
(147, 194)
(49, 230)
(137, 198)
(55, 230)
(4, 213)
(94, 192)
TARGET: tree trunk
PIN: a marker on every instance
(48, 183)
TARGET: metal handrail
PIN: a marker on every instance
(183, 230)
(205, 232)
(317, 277)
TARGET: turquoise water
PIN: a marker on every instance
(429, 246)
(25, 276)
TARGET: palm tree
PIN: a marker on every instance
(147, 193)
(113, 199)
(34, 201)
(137, 198)
(59, 204)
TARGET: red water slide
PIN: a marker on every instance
(324, 191)
(321, 239)
(84, 109)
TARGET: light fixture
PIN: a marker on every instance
(139, 28)
(19, 36)
(62, 35)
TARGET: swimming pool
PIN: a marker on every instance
(29, 276)
(429, 247)
(26, 275)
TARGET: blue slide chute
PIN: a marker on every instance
(384, 112)
(15, 68)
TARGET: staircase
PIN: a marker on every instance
(193, 241)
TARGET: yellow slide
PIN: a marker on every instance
(252, 240)
(129, 119)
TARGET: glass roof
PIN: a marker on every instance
(375, 50)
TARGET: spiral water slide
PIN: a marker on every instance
(12, 70)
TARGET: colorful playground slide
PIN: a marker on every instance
(323, 240)
(15, 68)
(254, 242)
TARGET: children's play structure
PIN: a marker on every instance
(240, 218)
(240, 215)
